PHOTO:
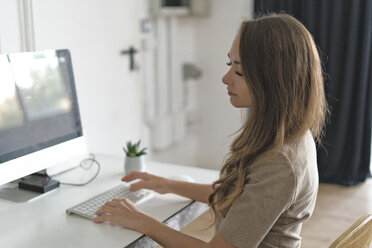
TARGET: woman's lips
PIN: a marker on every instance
(231, 94)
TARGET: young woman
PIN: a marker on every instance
(268, 184)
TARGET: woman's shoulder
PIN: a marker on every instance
(302, 154)
(274, 168)
(292, 162)
(300, 148)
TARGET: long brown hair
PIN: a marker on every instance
(282, 68)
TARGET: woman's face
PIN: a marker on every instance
(237, 89)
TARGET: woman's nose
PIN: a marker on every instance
(226, 79)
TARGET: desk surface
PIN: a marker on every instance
(44, 223)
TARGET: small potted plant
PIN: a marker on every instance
(135, 159)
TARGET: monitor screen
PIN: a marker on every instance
(38, 102)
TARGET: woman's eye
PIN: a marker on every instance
(238, 73)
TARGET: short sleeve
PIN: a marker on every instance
(270, 191)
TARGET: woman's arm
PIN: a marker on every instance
(124, 213)
(194, 191)
(168, 237)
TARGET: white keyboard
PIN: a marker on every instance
(88, 208)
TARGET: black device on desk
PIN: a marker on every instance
(40, 123)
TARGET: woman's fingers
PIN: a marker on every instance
(106, 209)
(103, 218)
(146, 181)
(122, 203)
(128, 204)
(122, 212)
(112, 207)
(137, 186)
(110, 204)
(135, 175)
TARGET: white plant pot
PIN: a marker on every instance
(134, 164)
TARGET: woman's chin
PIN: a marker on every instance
(237, 104)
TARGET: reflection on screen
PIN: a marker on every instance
(10, 111)
(37, 91)
(38, 105)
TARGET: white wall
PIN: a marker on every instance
(10, 36)
(95, 31)
(220, 120)
(209, 137)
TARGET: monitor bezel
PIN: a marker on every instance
(57, 140)
(55, 151)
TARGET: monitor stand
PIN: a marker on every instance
(28, 189)
(38, 182)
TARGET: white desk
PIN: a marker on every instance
(44, 223)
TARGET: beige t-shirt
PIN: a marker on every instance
(279, 196)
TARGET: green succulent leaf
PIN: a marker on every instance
(133, 149)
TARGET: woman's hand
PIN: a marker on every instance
(162, 185)
(147, 181)
(123, 213)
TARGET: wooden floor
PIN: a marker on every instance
(337, 208)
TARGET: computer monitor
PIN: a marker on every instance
(40, 124)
